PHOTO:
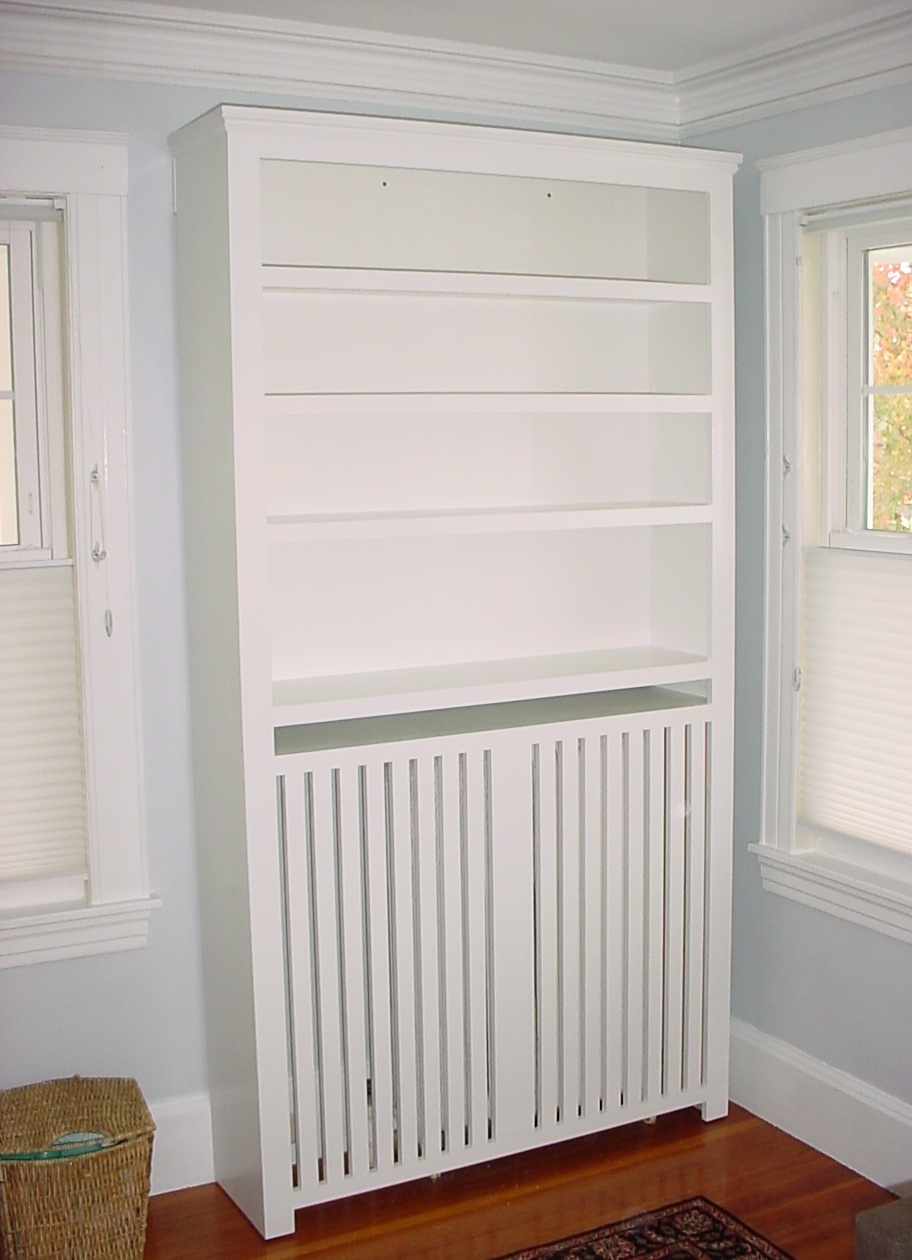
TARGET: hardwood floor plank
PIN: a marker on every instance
(796, 1197)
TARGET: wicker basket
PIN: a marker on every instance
(83, 1206)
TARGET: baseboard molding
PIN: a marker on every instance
(182, 1149)
(860, 1126)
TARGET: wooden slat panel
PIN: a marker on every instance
(378, 930)
(674, 912)
(695, 878)
(329, 973)
(308, 1141)
(636, 978)
(356, 1026)
(655, 911)
(592, 895)
(571, 925)
(616, 857)
(404, 978)
(431, 998)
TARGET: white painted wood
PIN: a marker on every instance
(87, 174)
(695, 876)
(391, 343)
(480, 528)
(281, 278)
(334, 471)
(369, 71)
(857, 1124)
(593, 943)
(182, 1149)
(850, 879)
(343, 216)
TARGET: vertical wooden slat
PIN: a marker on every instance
(356, 1024)
(450, 894)
(300, 977)
(592, 896)
(615, 858)
(476, 807)
(571, 924)
(655, 912)
(329, 973)
(635, 919)
(512, 895)
(695, 884)
(548, 952)
(378, 933)
(431, 999)
(404, 894)
(674, 911)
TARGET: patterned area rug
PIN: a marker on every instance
(693, 1230)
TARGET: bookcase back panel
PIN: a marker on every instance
(363, 463)
(427, 601)
(399, 343)
(337, 215)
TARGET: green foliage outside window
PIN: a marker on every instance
(891, 414)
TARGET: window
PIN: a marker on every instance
(72, 853)
(837, 828)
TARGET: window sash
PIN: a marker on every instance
(88, 175)
(866, 883)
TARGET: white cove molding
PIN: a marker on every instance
(182, 1147)
(860, 1126)
(368, 72)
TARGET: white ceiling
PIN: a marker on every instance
(659, 35)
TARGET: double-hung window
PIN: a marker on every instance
(73, 875)
(837, 828)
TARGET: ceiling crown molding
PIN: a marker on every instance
(839, 60)
(328, 68)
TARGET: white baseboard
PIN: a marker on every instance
(860, 1126)
(182, 1148)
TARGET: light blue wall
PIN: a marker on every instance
(833, 990)
(840, 993)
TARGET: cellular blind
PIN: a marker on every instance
(43, 829)
(855, 720)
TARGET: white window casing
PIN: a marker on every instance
(837, 824)
(85, 175)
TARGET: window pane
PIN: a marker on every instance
(889, 377)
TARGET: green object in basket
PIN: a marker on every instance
(66, 1146)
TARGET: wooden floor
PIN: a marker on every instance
(797, 1198)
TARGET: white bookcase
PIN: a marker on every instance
(458, 415)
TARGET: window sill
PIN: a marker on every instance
(72, 932)
(815, 878)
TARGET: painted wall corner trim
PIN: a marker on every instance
(852, 1121)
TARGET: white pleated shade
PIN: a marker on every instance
(855, 742)
(42, 763)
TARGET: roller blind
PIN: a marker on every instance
(855, 716)
(42, 762)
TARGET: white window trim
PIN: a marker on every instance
(87, 174)
(852, 881)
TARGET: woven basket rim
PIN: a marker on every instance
(32, 1116)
